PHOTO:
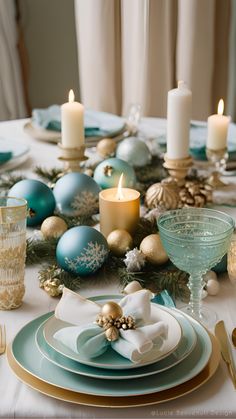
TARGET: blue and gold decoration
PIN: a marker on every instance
(134, 151)
(76, 194)
(108, 172)
(40, 199)
(82, 250)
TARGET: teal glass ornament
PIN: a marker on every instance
(134, 151)
(195, 240)
(108, 172)
(76, 194)
(82, 250)
(39, 197)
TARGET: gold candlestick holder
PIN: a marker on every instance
(218, 159)
(72, 157)
(178, 168)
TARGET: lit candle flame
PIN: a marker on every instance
(71, 96)
(119, 189)
(220, 107)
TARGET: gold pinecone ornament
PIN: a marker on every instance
(195, 194)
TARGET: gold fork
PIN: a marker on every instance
(2, 339)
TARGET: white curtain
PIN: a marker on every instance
(136, 50)
(11, 90)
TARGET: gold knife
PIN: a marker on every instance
(222, 338)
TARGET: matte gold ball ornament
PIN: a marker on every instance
(111, 308)
(119, 242)
(53, 227)
(106, 147)
(153, 250)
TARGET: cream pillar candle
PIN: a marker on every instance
(72, 123)
(119, 209)
(178, 121)
(218, 129)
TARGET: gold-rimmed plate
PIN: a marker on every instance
(118, 402)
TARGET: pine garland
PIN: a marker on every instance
(52, 278)
(40, 251)
(7, 180)
(50, 175)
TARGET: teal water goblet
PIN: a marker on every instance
(195, 240)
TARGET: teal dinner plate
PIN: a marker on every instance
(28, 356)
(111, 359)
(187, 343)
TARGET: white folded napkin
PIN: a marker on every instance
(89, 340)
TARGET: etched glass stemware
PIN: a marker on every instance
(195, 240)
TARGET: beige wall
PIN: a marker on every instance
(49, 32)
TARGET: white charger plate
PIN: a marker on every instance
(185, 347)
(111, 359)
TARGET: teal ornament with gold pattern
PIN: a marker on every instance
(108, 172)
(39, 197)
(82, 250)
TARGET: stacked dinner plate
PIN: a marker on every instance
(112, 125)
(187, 359)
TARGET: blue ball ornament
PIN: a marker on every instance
(39, 197)
(76, 194)
(134, 151)
(108, 172)
(82, 250)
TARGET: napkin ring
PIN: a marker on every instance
(111, 319)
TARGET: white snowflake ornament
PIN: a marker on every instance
(134, 260)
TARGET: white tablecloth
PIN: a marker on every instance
(216, 398)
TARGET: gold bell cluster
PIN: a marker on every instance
(111, 319)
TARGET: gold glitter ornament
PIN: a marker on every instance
(53, 287)
(111, 309)
(106, 147)
(153, 250)
(53, 227)
(119, 242)
(112, 334)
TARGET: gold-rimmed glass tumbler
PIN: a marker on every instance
(13, 213)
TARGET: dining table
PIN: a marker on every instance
(216, 398)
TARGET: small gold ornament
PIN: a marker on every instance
(119, 242)
(112, 334)
(163, 194)
(153, 250)
(111, 309)
(53, 227)
(53, 287)
(88, 172)
(106, 147)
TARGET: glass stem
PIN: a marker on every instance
(195, 285)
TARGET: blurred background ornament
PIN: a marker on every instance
(39, 197)
(76, 194)
(134, 151)
(106, 147)
(108, 172)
